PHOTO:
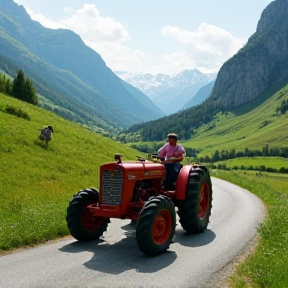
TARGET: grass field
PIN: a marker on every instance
(267, 267)
(273, 162)
(37, 181)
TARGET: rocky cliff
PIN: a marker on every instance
(260, 64)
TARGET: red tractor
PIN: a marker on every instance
(134, 190)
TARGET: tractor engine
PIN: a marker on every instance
(124, 188)
(143, 190)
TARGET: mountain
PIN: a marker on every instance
(262, 63)
(169, 93)
(149, 84)
(72, 78)
(244, 82)
(202, 94)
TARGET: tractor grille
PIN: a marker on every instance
(112, 187)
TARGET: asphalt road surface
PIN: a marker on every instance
(116, 261)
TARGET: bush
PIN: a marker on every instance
(271, 170)
(283, 170)
(17, 112)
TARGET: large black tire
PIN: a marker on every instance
(195, 210)
(156, 225)
(82, 225)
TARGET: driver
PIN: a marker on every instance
(171, 154)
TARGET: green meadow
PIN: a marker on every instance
(37, 181)
(273, 162)
(267, 266)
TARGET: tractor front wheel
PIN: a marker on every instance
(156, 225)
(82, 224)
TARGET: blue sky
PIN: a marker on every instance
(145, 36)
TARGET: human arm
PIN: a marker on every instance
(173, 159)
(162, 152)
(177, 155)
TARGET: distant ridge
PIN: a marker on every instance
(202, 94)
(167, 92)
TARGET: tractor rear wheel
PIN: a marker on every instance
(82, 224)
(156, 225)
(195, 210)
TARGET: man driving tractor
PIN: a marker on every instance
(134, 190)
(171, 154)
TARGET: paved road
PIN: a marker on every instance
(191, 261)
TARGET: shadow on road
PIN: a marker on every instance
(120, 256)
(193, 240)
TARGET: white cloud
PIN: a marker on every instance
(206, 49)
(43, 20)
(92, 27)
(105, 35)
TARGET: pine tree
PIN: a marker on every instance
(2, 83)
(31, 95)
(23, 89)
(8, 87)
(18, 90)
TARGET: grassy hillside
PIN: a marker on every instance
(245, 127)
(37, 181)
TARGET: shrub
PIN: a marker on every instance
(17, 112)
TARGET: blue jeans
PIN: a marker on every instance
(172, 172)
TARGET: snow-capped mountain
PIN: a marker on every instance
(147, 83)
(169, 93)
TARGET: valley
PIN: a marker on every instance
(234, 121)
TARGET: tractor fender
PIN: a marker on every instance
(182, 181)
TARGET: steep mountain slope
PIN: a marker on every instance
(262, 63)
(202, 94)
(75, 75)
(253, 75)
(169, 93)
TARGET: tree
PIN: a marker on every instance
(8, 87)
(19, 85)
(30, 93)
(2, 83)
(23, 89)
(216, 156)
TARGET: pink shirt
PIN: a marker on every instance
(169, 151)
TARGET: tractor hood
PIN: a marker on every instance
(137, 170)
